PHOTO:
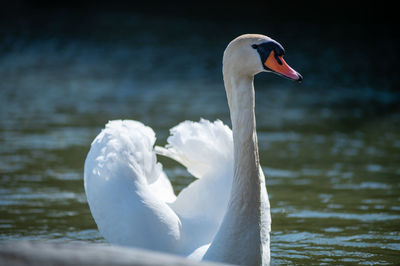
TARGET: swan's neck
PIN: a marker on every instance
(246, 179)
(239, 239)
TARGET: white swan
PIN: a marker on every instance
(222, 216)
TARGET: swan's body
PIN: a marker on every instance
(222, 216)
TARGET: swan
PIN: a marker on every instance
(224, 215)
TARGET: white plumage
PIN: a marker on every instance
(224, 215)
(130, 196)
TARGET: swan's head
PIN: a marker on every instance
(251, 54)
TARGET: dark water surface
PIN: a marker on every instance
(330, 146)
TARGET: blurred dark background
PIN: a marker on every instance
(348, 48)
(353, 29)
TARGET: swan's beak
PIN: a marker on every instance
(279, 66)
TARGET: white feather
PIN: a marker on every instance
(202, 147)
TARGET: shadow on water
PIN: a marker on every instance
(329, 146)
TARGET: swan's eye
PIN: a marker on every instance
(255, 46)
(280, 52)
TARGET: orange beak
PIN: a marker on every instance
(279, 66)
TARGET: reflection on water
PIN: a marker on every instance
(331, 154)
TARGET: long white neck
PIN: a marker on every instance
(239, 239)
(246, 179)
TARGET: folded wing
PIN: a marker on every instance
(206, 149)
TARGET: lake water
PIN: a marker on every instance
(330, 146)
